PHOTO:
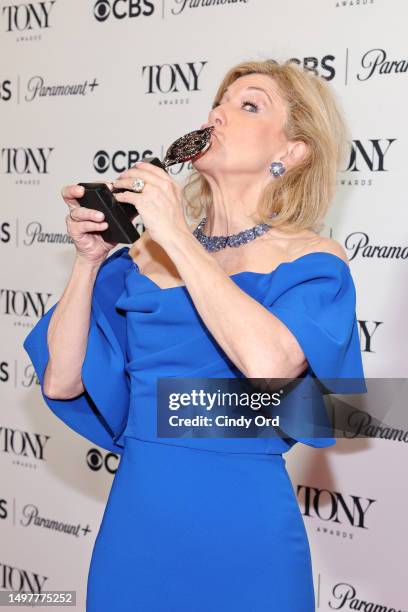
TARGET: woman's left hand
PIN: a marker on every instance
(159, 204)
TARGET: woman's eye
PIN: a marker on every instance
(254, 106)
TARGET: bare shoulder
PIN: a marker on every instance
(329, 245)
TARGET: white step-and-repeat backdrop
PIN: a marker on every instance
(86, 89)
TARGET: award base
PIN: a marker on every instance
(119, 215)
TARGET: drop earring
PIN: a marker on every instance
(277, 169)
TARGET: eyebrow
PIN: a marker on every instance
(257, 89)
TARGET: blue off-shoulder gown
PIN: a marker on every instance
(197, 524)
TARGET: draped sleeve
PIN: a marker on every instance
(100, 413)
(315, 298)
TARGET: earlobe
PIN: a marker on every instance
(295, 153)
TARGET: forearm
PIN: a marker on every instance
(68, 333)
(249, 335)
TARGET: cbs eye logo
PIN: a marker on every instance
(97, 461)
(120, 9)
(101, 161)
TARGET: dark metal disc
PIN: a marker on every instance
(188, 146)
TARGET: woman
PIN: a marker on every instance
(200, 524)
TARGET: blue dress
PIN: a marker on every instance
(197, 524)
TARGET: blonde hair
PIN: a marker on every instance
(301, 197)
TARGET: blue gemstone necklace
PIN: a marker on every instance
(216, 243)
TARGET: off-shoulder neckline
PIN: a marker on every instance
(237, 274)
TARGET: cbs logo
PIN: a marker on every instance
(119, 161)
(120, 9)
(321, 66)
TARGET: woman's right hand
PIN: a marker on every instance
(84, 225)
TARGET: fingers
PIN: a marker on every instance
(152, 184)
(150, 169)
(80, 213)
(83, 227)
(71, 192)
(150, 174)
(129, 197)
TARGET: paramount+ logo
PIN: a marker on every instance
(122, 9)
